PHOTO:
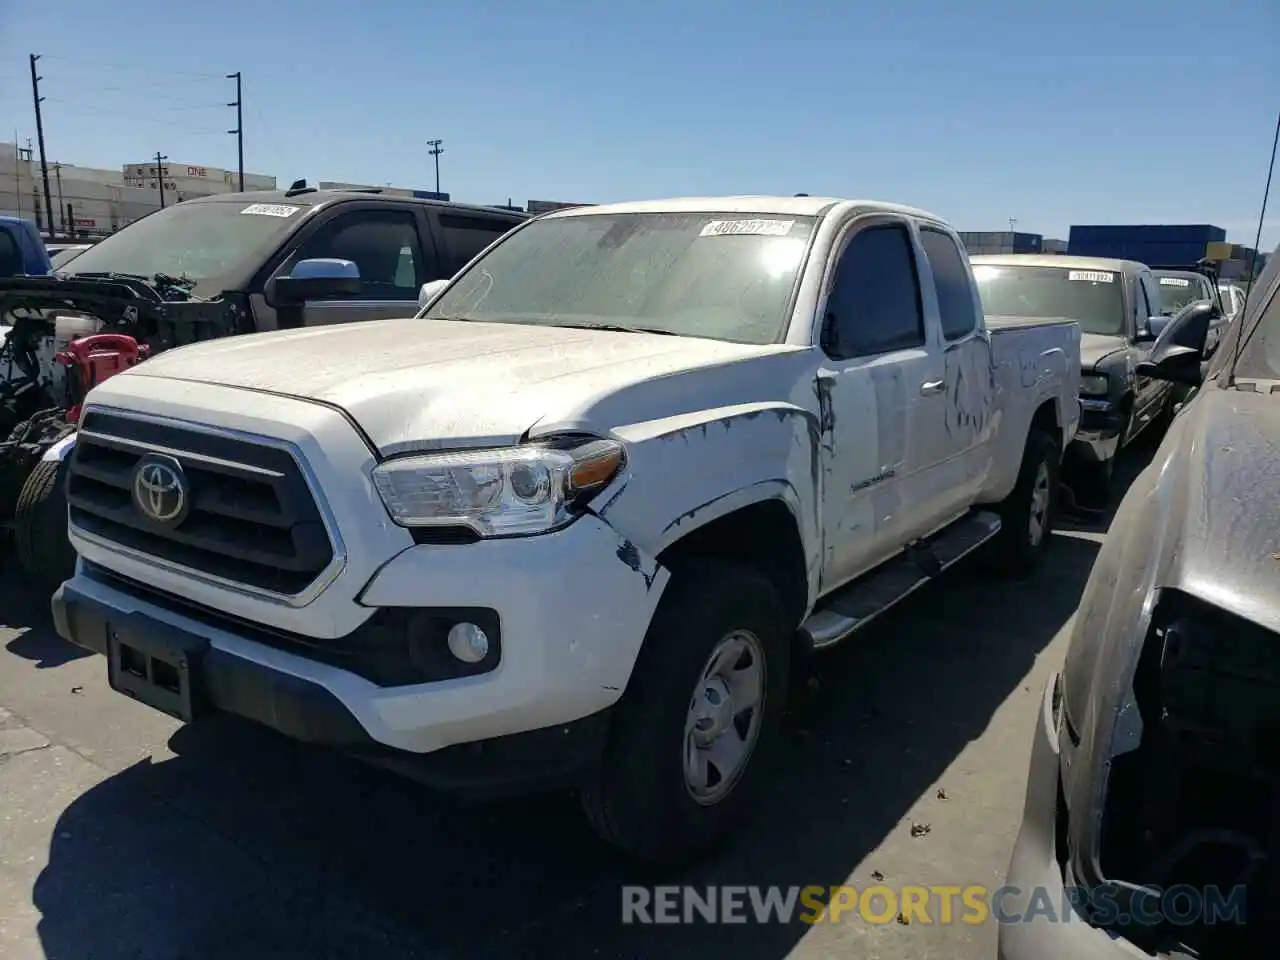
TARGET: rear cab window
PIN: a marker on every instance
(952, 283)
(465, 234)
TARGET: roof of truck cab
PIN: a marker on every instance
(315, 198)
(783, 206)
(1056, 260)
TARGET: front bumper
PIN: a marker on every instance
(573, 609)
(1034, 870)
(1101, 427)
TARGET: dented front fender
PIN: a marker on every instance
(686, 471)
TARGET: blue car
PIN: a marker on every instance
(22, 252)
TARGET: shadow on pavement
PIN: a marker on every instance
(23, 606)
(245, 845)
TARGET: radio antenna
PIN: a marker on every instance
(1246, 336)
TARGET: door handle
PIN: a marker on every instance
(931, 387)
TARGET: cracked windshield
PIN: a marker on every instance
(639, 481)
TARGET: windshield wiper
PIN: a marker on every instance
(615, 328)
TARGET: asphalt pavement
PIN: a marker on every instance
(124, 835)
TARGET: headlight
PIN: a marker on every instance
(1094, 384)
(506, 492)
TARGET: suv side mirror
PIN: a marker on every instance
(1152, 329)
(429, 292)
(1178, 353)
(317, 279)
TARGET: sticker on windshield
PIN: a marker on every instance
(271, 209)
(1091, 276)
(747, 228)
(1174, 282)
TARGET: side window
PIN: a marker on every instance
(465, 235)
(874, 305)
(951, 280)
(382, 243)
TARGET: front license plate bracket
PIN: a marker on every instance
(158, 667)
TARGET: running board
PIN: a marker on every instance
(853, 606)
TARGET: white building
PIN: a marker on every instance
(92, 201)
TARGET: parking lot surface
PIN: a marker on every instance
(124, 835)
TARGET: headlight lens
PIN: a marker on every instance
(506, 492)
(1094, 384)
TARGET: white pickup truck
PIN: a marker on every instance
(573, 523)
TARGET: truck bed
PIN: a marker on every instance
(1035, 362)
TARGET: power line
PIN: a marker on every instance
(121, 65)
(109, 111)
(184, 101)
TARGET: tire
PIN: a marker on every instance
(641, 800)
(40, 525)
(1026, 515)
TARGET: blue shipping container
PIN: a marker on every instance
(1087, 235)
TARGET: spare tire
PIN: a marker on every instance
(40, 525)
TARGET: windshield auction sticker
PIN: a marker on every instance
(747, 228)
(271, 209)
(1091, 276)
(1174, 282)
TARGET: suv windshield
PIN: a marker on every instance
(1179, 289)
(1093, 298)
(192, 240)
(715, 275)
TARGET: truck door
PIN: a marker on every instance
(385, 242)
(879, 385)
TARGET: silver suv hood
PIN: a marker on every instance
(421, 384)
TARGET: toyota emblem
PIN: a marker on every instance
(160, 490)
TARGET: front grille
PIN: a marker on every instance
(251, 520)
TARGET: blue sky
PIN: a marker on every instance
(1123, 111)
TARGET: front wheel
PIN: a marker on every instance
(701, 715)
(40, 525)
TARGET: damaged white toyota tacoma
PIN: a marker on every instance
(574, 522)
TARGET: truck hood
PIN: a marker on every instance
(1199, 519)
(418, 384)
(1096, 347)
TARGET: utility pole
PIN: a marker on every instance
(239, 130)
(435, 151)
(44, 164)
(160, 159)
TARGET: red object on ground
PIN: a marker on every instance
(96, 358)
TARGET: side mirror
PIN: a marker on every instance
(318, 279)
(1178, 353)
(1153, 328)
(429, 292)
